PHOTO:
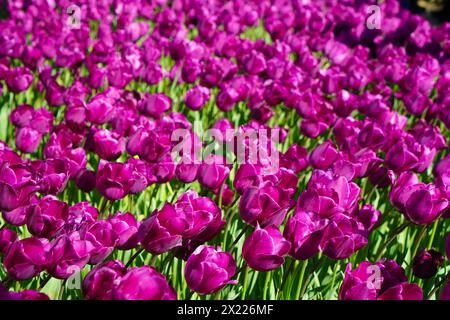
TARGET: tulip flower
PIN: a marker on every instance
(108, 145)
(68, 254)
(26, 258)
(426, 263)
(212, 173)
(265, 205)
(28, 140)
(384, 280)
(100, 282)
(421, 203)
(208, 270)
(7, 237)
(160, 235)
(323, 156)
(196, 97)
(265, 249)
(154, 105)
(47, 217)
(113, 180)
(144, 283)
(125, 227)
(19, 79)
(103, 238)
(21, 295)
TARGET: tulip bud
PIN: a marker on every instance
(426, 263)
(161, 232)
(196, 97)
(265, 205)
(154, 105)
(108, 145)
(28, 140)
(208, 270)
(265, 249)
(85, 180)
(323, 156)
(144, 283)
(212, 173)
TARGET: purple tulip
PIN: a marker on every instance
(295, 158)
(162, 231)
(144, 283)
(369, 216)
(399, 158)
(7, 237)
(126, 227)
(19, 79)
(68, 255)
(52, 175)
(100, 282)
(384, 280)
(265, 249)
(154, 105)
(22, 295)
(85, 180)
(28, 140)
(113, 180)
(22, 115)
(323, 156)
(103, 238)
(80, 214)
(47, 217)
(100, 109)
(26, 258)
(342, 237)
(208, 270)
(265, 205)
(426, 263)
(212, 173)
(203, 216)
(421, 203)
(186, 172)
(196, 97)
(108, 145)
(328, 195)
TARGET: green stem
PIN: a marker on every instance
(134, 256)
(310, 275)
(266, 285)
(304, 265)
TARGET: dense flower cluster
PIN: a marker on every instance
(104, 174)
